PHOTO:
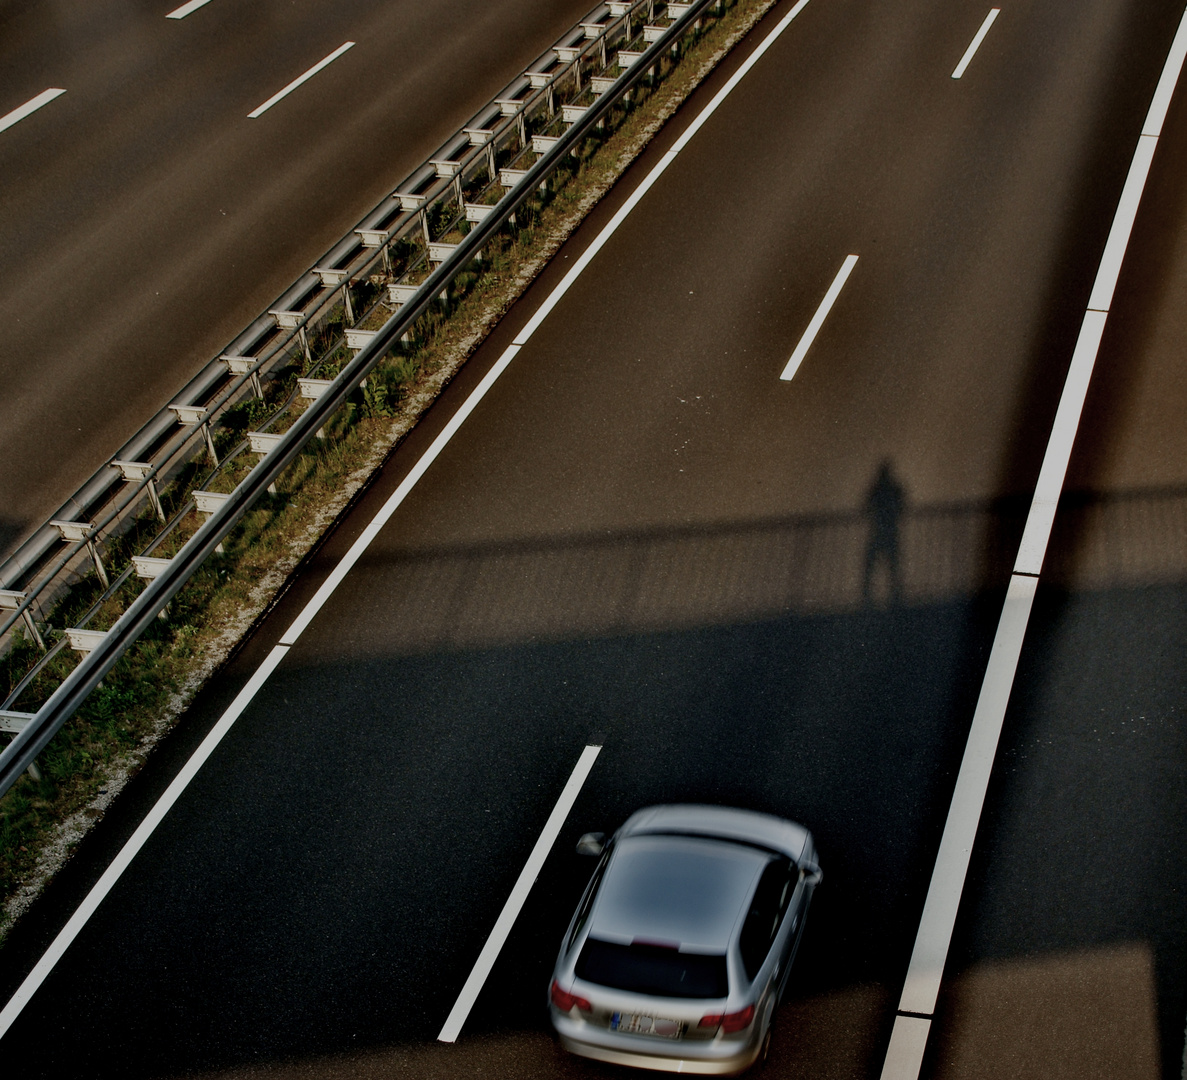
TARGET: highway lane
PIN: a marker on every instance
(643, 539)
(146, 220)
(1074, 935)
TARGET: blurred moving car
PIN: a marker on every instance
(681, 946)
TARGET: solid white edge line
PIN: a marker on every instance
(137, 840)
(347, 562)
(186, 9)
(737, 76)
(826, 305)
(1167, 82)
(908, 1040)
(1127, 210)
(929, 956)
(975, 44)
(31, 106)
(1045, 500)
(960, 830)
(599, 242)
(519, 894)
(323, 63)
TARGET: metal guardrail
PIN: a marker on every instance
(109, 496)
(39, 729)
(33, 578)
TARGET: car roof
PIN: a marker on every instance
(685, 891)
(748, 826)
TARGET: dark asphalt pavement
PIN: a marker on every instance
(146, 220)
(642, 538)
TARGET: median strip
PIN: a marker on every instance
(142, 696)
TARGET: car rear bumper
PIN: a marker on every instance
(704, 1057)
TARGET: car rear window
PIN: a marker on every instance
(652, 969)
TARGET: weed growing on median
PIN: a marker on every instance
(94, 754)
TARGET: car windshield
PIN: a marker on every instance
(653, 969)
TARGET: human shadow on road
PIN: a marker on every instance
(884, 506)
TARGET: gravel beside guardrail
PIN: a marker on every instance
(462, 229)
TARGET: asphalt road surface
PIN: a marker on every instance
(772, 594)
(146, 220)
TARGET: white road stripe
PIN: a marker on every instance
(599, 242)
(921, 988)
(970, 52)
(79, 918)
(519, 894)
(737, 77)
(138, 839)
(1127, 210)
(1166, 83)
(1041, 517)
(956, 847)
(908, 1040)
(30, 106)
(301, 79)
(826, 305)
(186, 9)
(346, 563)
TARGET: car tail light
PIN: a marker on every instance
(565, 1001)
(734, 1021)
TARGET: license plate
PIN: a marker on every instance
(638, 1024)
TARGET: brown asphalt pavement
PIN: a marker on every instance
(643, 538)
(146, 220)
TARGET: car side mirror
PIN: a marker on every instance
(592, 843)
(813, 875)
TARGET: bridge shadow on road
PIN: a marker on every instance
(335, 869)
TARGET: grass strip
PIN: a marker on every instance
(108, 740)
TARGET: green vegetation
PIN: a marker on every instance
(143, 694)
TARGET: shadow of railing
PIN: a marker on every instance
(639, 581)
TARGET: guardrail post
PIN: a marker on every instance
(147, 568)
(244, 365)
(311, 390)
(12, 723)
(98, 563)
(74, 531)
(195, 416)
(12, 600)
(261, 442)
(141, 470)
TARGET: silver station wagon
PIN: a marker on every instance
(681, 946)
